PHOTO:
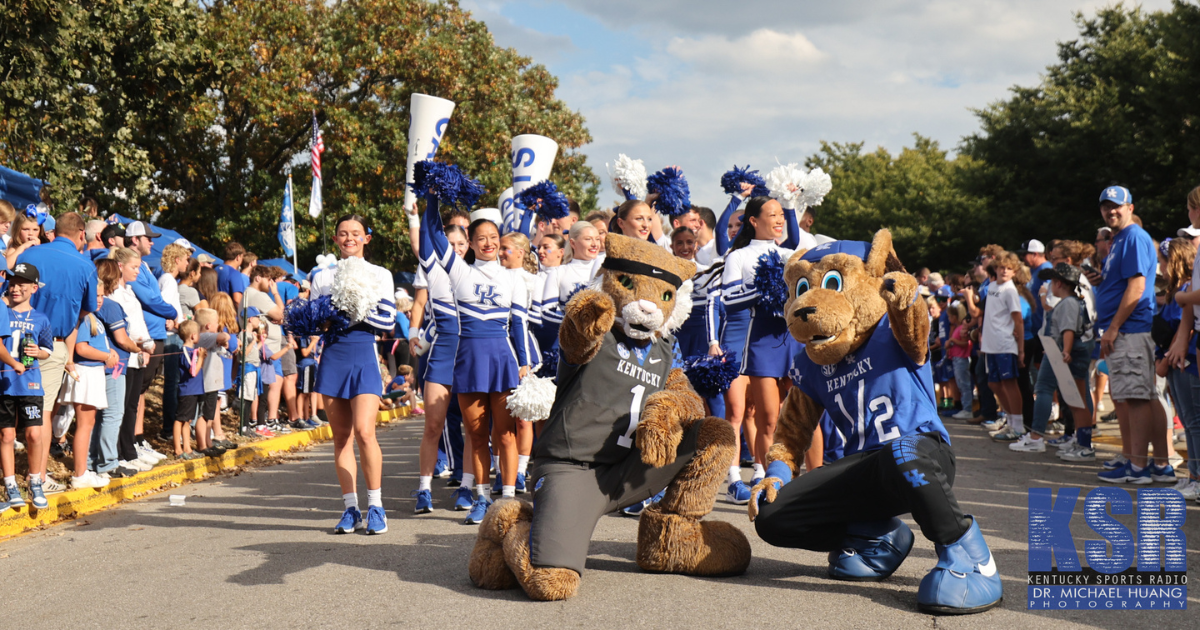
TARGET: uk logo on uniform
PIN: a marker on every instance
(486, 294)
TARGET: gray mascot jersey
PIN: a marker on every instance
(597, 406)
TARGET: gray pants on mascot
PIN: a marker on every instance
(865, 363)
(623, 426)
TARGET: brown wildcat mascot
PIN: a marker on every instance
(866, 336)
(624, 426)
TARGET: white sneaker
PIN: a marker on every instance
(51, 486)
(144, 448)
(1028, 444)
(1181, 484)
(1077, 453)
(1069, 443)
(1053, 411)
(89, 479)
(135, 464)
(1191, 491)
(965, 414)
(1175, 460)
(19, 446)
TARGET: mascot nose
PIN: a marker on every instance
(803, 313)
(647, 306)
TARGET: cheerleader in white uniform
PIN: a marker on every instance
(492, 355)
(440, 335)
(349, 380)
(550, 253)
(564, 280)
(636, 219)
(516, 255)
(760, 338)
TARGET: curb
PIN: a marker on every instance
(75, 503)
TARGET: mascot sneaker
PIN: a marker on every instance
(738, 493)
(351, 522)
(424, 502)
(863, 559)
(463, 499)
(965, 580)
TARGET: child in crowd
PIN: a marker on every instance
(227, 323)
(88, 392)
(191, 389)
(1003, 344)
(32, 341)
(306, 366)
(212, 344)
(958, 349)
(7, 214)
(255, 336)
(401, 388)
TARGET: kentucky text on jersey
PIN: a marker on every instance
(632, 369)
(838, 382)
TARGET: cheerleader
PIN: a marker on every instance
(492, 355)
(515, 254)
(440, 338)
(550, 254)
(348, 378)
(563, 281)
(636, 219)
(759, 338)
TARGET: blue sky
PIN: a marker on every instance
(706, 84)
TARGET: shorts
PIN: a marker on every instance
(1001, 367)
(288, 363)
(89, 390)
(188, 405)
(1131, 367)
(20, 412)
(307, 380)
(250, 385)
(150, 370)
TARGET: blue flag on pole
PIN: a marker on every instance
(287, 223)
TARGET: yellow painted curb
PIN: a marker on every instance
(75, 503)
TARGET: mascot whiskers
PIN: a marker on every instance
(624, 425)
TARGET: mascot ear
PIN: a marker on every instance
(882, 258)
(685, 269)
(795, 269)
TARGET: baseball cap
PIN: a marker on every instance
(252, 311)
(1062, 271)
(206, 259)
(49, 223)
(111, 230)
(945, 291)
(1189, 232)
(1116, 194)
(1033, 246)
(138, 228)
(26, 271)
(185, 243)
(936, 280)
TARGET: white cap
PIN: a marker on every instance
(1189, 232)
(185, 243)
(137, 228)
(491, 214)
(1034, 246)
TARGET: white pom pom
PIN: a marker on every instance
(817, 184)
(786, 183)
(533, 398)
(628, 174)
(355, 291)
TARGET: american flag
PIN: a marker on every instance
(318, 147)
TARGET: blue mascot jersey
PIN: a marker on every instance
(873, 396)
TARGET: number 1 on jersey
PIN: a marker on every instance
(635, 414)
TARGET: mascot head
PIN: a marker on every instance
(651, 288)
(835, 301)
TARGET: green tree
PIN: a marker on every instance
(917, 194)
(90, 86)
(1119, 107)
(356, 64)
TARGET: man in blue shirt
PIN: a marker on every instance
(1124, 313)
(1033, 253)
(229, 279)
(69, 293)
(159, 316)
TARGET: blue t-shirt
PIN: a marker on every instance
(37, 325)
(402, 324)
(875, 395)
(98, 341)
(1027, 318)
(305, 361)
(112, 315)
(1132, 254)
(70, 284)
(229, 280)
(190, 385)
(287, 291)
(5, 328)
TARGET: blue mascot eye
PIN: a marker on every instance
(832, 281)
(801, 287)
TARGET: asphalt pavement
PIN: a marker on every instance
(257, 550)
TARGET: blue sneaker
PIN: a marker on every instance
(351, 521)
(5, 506)
(312, 423)
(738, 493)
(376, 520)
(635, 509)
(965, 579)
(424, 502)
(14, 497)
(39, 497)
(1116, 462)
(520, 483)
(754, 481)
(1125, 474)
(658, 497)
(1165, 474)
(463, 499)
(497, 485)
(863, 559)
(478, 510)
(441, 467)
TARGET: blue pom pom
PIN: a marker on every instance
(447, 182)
(709, 375)
(308, 318)
(545, 200)
(731, 182)
(672, 189)
(768, 280)
(549, 367)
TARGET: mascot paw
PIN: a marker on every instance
(543, 584)
(899, 289)
(765, 491)
(595, 312)
(670, 543)
(487, 567)
(659, 431)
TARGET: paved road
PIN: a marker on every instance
(256, 550)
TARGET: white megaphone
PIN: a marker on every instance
(491, 214)
(507, 209)
(429, 116)
(532, 160)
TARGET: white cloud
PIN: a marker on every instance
(762, 51)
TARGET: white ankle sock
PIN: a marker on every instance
(10, 481)
(1016, 422)
(426, 482)
(468, 481)
(735, 474)
(375, 497)
(522, 464)
(351, 500)
(483, 490)
(508, 491)
(759, 471)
